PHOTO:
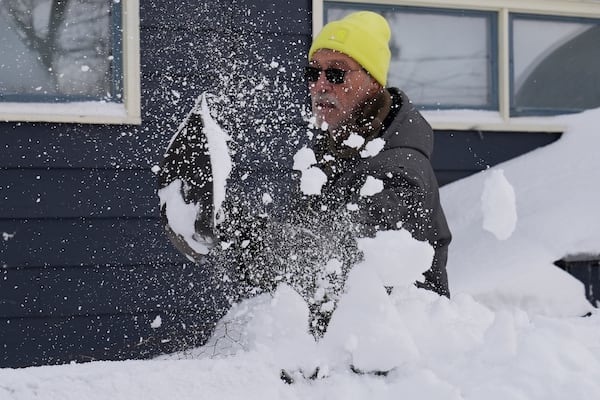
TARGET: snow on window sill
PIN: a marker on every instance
(91, 112)
(479, 120)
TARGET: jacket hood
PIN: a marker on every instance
(406, 127)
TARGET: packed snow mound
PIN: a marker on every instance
(397, 258)
(455, 349)
(280, 321)
(553, 191)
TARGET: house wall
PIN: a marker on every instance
(86, 269)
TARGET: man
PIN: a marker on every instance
(347, 72)
(312, 246)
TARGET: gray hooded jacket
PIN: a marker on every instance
(410, 197)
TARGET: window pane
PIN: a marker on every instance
(57, 50)
(441, 58)
(556, 65)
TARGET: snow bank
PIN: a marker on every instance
(441, 349)
(555, 198)
(510, 331)
(434, 348)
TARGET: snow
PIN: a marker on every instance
(354, 141)
(156, 323)
(373, 148)
(371, 187)
(312, 178)
(220, 159)
(312, 181)
(512, 330)
(303, 159)
(440, 349)
(182, 216)
(498, 205)
(555, 198)
(397, 258)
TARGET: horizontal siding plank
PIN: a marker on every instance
(71, 193)
(475, 151)
(84, 242)
(171, 15)
(59, 340)
(45, 145)
(184, 51)
(283, 16)
(93, 193)
(99, 290)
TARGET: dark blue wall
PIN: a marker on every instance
(85, 266)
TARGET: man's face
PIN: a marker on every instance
(334, 102)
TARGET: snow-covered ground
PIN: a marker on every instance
(512, 330)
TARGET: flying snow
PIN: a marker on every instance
(498, 205)
(354, 141)
(371, 187)
(373, 147)
(304, 159)
(312, 178)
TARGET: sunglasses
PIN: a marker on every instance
(333, 75)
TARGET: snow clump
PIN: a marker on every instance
(313, 178)
(498, 205)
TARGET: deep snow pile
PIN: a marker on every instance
(511, 331)
(442, 349)
(544, 207)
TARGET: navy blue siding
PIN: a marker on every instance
(458, 154)
(85, 265)
(586, 268)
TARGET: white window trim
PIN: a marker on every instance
(489, 120)
(95, 112)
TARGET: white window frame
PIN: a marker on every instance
(94, 112)
(488, 120)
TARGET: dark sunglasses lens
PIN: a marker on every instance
(335, 76)
(312, 74)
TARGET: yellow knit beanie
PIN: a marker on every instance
(362, 35)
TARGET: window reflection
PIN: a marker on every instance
(556, 65)
(440, 58)
(56, 49)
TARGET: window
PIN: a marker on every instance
(457, 73)
(555, 64)
(505, 58)
(64, 61)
